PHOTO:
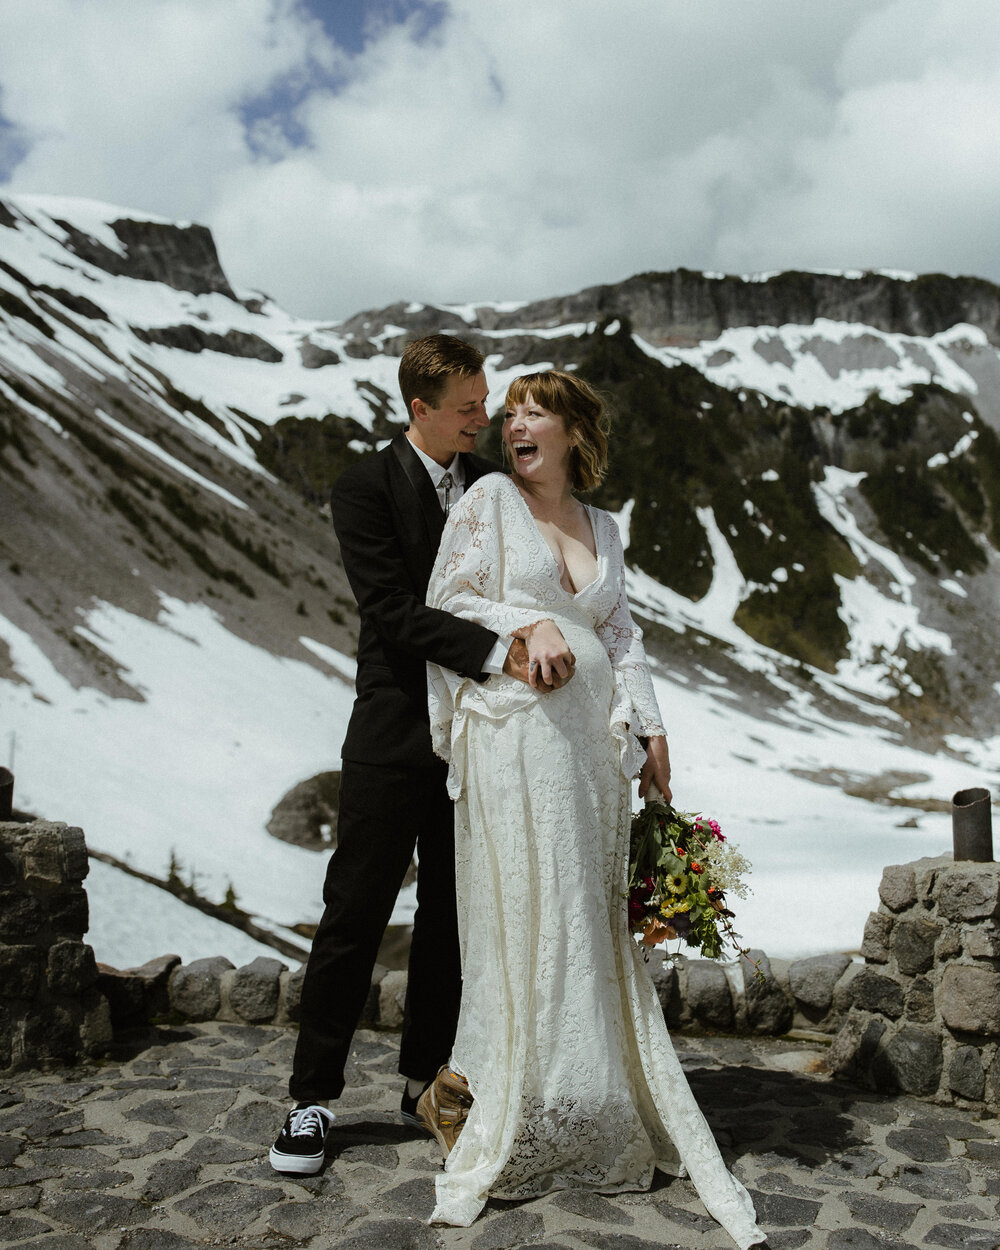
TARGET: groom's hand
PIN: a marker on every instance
(516, 665)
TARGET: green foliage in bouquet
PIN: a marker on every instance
(681, 869)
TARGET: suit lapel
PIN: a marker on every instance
(424, 496)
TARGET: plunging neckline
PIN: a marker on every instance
(573, 594)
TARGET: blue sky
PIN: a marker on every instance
(351, 153)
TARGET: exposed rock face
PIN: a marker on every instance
(685, 306)
(183, 257)
(191, 338)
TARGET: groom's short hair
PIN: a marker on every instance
(428, 363)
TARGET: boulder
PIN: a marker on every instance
(969, 999)
(875, 945)
(769, 1008)
(813, 980)
(196, 988)
(970, 893)
(855, 1045)
(873, 992)
(708, 994)
(912, 943)
(911, 1061)
(253, 991)
(965, 1074)
(898, 887)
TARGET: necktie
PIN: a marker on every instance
(446, 483)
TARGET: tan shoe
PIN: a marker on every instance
(443, 1108)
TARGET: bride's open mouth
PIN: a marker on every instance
(523, 451)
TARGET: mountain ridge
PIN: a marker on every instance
(811, 510)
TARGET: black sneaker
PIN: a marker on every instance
(301, 1144)
(408, 1110)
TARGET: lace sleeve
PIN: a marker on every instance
(467, 579)
(622, 639)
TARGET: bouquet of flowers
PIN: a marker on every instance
(681, 869)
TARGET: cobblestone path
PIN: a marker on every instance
(166, 1148)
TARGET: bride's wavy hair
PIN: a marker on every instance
(584, 414)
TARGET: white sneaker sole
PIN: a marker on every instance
(298, 1165)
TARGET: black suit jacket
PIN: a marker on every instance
(389, 522)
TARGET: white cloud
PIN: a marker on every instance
(527, 148)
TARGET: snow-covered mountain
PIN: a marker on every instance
(806, 471)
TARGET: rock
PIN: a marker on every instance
(315, 357)
(319, 1217)
(982, 942)
(965, 1073)
(291, 992)
(922, 1145)
(782, 1209)
(898, 887)
(228, 1207)
(510, 1229)
(71, 968)
(769, 1009)
(708, 994)
(961, 1237)
(391, 998)
(873, 992)
(69, 913)
(937, 1183)
(911, 1061)
(93, 1212)
(969, 999)
(912, 944)
(970, 893)
(307, 815)
(168, 1177)
(217, 1149)
(920, 1002)
(253, 991)
(813, 980)
(137, 995)
(879, 1212)
(855, 1044)
(392, 1235)
(591, 1206)
(875, 944)
(949, 944)
(195, 988)
(20, 971)
(858, 1239)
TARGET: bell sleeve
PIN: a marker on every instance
(622, 639)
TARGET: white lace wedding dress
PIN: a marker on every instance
(561, 1034)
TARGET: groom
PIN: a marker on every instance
(389, 511)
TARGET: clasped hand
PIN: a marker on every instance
(540, 656)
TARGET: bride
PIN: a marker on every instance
(561, 1036)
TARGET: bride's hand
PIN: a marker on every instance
(550, 660)
(656, 769)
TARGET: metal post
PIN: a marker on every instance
(6, 793)
(972, 825)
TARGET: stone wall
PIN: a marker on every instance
(924, 1013)
(262, 992)
(50, 1007)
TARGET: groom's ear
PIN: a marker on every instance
(418, 410)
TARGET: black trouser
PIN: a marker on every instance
(384, 814)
